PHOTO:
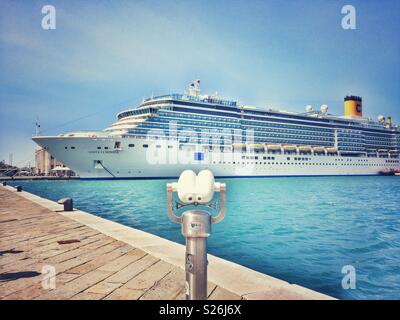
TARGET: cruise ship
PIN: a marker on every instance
(167, 134)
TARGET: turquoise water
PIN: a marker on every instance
(302, 230)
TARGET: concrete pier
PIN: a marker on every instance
(94, 258)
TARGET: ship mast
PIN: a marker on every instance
(194, 88)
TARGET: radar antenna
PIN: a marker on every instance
(37, 126)
(194, 88)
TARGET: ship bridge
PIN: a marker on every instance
(131, 118)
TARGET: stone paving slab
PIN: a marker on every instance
(97, 266)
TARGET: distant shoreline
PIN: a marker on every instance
(38, 178)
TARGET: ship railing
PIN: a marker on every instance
(186, 97)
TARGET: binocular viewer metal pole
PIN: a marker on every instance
(196, 228)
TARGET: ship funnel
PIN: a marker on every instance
(389, 120)
(353, 106)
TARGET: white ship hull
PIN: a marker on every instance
(98, 158)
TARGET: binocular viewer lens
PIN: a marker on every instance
(195, 188)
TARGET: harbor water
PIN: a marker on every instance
(303, 230)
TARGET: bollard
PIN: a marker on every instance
(4, 183)
(19, 188)
(196, 224)
(68, 204)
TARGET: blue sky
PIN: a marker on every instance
(106, 56)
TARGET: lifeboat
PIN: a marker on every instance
(290, 147)
(304, 148)
(383, 153)
(238, 145)
(273, 146)
(256, 146)
(394, 153)
(319, 149)
(241, 147)
(331, 149)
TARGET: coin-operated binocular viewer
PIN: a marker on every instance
(196, 193)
